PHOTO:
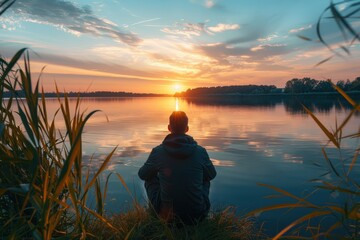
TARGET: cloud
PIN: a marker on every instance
(221, 27)
(196, 29)
(72, 18)
(296, 30)
(266, 46)
(186, 29)
(269, 38)
(209, 3)
(213, 4)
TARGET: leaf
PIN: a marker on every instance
(65, 171)
(11, 64)
(100, 217)
(274, 207)
(127, 237)
(2, 129)
(287, 194)
(25, 122)
(324, 61)
(352, 164)
(7, 7)
(347, 97)
(346, 120)
(102, 168)
(124, 184)
(2, 191)
(323, 128)
(304, 38)
(346, 24)
(300, 220)
(345, 49)
(330, 163)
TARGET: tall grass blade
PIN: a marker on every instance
(330, 163)
(347, 97)
(304, 38)
(7, 7)
(346, 24)
(127, 237)
(300, 220)
(352, 164)
(11, 64)
(324, 61)
(101, 169)
(276, 206)
(285, 193)
(100, 218)
(338, 17)
(323, 128)
(75, 148)
(124, 184)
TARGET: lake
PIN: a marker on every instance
(250, 141)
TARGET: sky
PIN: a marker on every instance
(164, 46)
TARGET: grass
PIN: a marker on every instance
(140, 223)
(340, 175)
(332, 219)
(45, 186)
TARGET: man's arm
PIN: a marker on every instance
(150, 168)
(209, 169)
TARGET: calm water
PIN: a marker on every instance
(269, 141)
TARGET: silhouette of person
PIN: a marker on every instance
(177, 175)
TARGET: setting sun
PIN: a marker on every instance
(177, 87)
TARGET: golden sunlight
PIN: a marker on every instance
(176, 104)
(177, 87)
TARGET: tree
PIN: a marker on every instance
(324, 86)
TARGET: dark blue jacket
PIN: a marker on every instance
(184, 170)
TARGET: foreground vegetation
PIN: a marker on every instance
(140, 223)
(45, 185)
(337, 218)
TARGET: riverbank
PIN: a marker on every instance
(138, 223)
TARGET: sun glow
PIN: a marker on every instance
(176, 104)
(177, 87)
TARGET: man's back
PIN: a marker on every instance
(184, 171)
(177, 174)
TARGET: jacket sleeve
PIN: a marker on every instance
(209, 169)
(150, 167)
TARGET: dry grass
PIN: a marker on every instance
(139, 223)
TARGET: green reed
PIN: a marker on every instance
(345, 216)
(44, 184)
(139, 223)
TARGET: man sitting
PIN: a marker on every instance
(177, 175)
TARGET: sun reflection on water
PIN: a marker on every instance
(176, 104)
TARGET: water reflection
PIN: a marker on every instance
(222, 163)
(250, 141)
(292, 104)
(176, 104)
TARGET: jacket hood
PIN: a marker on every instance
(181, 145)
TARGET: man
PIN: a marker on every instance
(177, 175)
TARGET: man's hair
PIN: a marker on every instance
(178, 122)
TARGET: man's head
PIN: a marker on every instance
(178, 122)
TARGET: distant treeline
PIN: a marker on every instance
(293, 103)
(293, 86)
(91, 94)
